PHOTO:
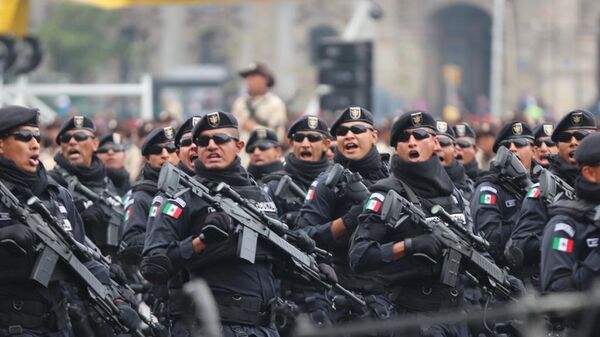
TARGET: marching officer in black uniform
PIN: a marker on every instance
(265, 153)
(406, 254)
(447, 154)
(570, 244)
(26, 307)
(495, 204)
(112, 154)
(544, 147)
(243, 291)
(309, 140)
(466, 149)
(533, 216)
(330, 217)
(186, 149)
(76, 161)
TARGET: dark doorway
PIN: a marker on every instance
(460, 36)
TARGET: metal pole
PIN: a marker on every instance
(147, 112)
(497, 59)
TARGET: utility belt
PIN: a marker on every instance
(244, 310)
(424, 298)
(15, 314)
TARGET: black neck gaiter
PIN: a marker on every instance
(92, 174)
(472, 169)
(563, 169)
(370, 167)
(457, 174)
(259, 171)
(428, 179)
(27, 184)
(233, 175)
(587, 191)
(305, 171)
(186, 169)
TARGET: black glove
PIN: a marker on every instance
(516, 286)
(328, 273)
(18, 239)
(217, 227)
(93, 215)
(304, 242)
(128, 316)
(156, 269)
(117, 274)
(427, 244)
(350, 219)
(130, 250)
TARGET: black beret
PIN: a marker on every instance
(543, 130)
(578, 119)
(158, 136)
(114, 138)
(512, 130)
(443, 129)
(76, 123)
(411, 120)
(588, 151)
(214, 120)
(260, 136)
(352, 114)
(308, 123)
(13, 116)
(260, 69)
(464, 130)
(187, 126)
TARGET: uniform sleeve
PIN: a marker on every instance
(566, 264)
(136, 215)
(488, 218)
(73, 217)
(317, 212)
(528, 230)
(370, 247)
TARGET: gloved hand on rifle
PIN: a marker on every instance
(425, 244)
(17, 239)
(128, 316)
(328, 273)
(94, 216)
(516, 286)
(304, 242)
(130, 250)
(217, 227)
(350, 219)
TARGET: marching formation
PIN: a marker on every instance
(296, 234)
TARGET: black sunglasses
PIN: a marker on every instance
(157, 149)
(261, 146)
(106, 149)
(312, 137)
(219, 138)
(79, 137)
(26, 135)
(565, 137)
(548, 142)
(464, 144)
(519, 143)
(445, 142)
(418, 134)
(356, 129)
(185, 142)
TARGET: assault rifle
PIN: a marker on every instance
(461, 246)
(347, 184)
(57, 244)
(289, 191)
(253, 223)
(110, 204)
(512, 174)
(553, 187)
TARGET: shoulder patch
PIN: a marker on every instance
(310, 195)
(172, 209)
(62, 209)
(374, 202)
(592, 242)
(179, 201)
(487, 199)
(267, 206)
(67, 225)
(157, 200)
(153, 211)
(488, 189)
(127, 214)
(562, 244)
(511, 203)
(563, 227)
(534, 193)
(4, 216)
(129, 202)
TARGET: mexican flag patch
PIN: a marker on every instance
(534, 193)
(374, 203)
(487, 199)
(127, 214)
(153, 211)
(562, 245)
(172, 210)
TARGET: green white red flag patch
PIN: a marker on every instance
(562, 245)
(173, 210)
(487, 199)
(534, 193)
(375, 201)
